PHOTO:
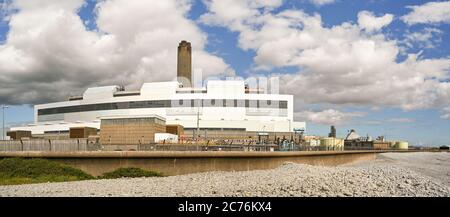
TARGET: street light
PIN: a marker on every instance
(3, 120)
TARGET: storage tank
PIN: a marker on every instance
(392, 144)
(401, 145)
(330, 143)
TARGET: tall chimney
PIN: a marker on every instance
(184, 71)
(332, 132)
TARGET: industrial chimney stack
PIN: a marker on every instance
(184, 66)
(332, 132)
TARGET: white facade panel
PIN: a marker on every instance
(96, 93)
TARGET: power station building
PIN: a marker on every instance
(219, 105)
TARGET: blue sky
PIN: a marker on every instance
(419, 125)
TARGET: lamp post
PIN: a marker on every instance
(3, 121)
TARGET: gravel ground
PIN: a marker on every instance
(436, 165)
(391, 174)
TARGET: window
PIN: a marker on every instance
(165, 104)
(282, 104)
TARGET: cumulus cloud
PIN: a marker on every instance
(368, 21)
(49, 53)
(328, 116)
(341, 65)
(322, 2)
(431, 13)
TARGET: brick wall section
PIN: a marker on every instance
(130, 131)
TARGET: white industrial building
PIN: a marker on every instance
(219, 105)
(216, 105)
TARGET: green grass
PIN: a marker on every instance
(130, 172)
(15, 171)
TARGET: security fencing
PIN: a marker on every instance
(65, 145)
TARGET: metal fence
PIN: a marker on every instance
(49, 145)
(67, 145)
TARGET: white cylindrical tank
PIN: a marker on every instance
(401, 145)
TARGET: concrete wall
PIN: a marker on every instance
(176, 163)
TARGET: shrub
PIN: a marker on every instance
(35, 170)
(130, 172)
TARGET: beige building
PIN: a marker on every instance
(131, 130)
(82, 132)
(18, 134)
(175, 129)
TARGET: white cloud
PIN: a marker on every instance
(431, 12)
(339, 65)
(401, 120)
(427, 38)
(49, 54)
(368, 21)
(322, 2)
(328, 116)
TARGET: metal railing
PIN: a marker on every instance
(67, 145)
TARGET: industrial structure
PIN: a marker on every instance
(184, 66)
(227, 113)
(221, 107)
(332, 132)
(353, 141)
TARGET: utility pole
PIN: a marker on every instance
(198, 122)
(3, 121)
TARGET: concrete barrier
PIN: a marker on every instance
(175, 154)
(177, 162)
